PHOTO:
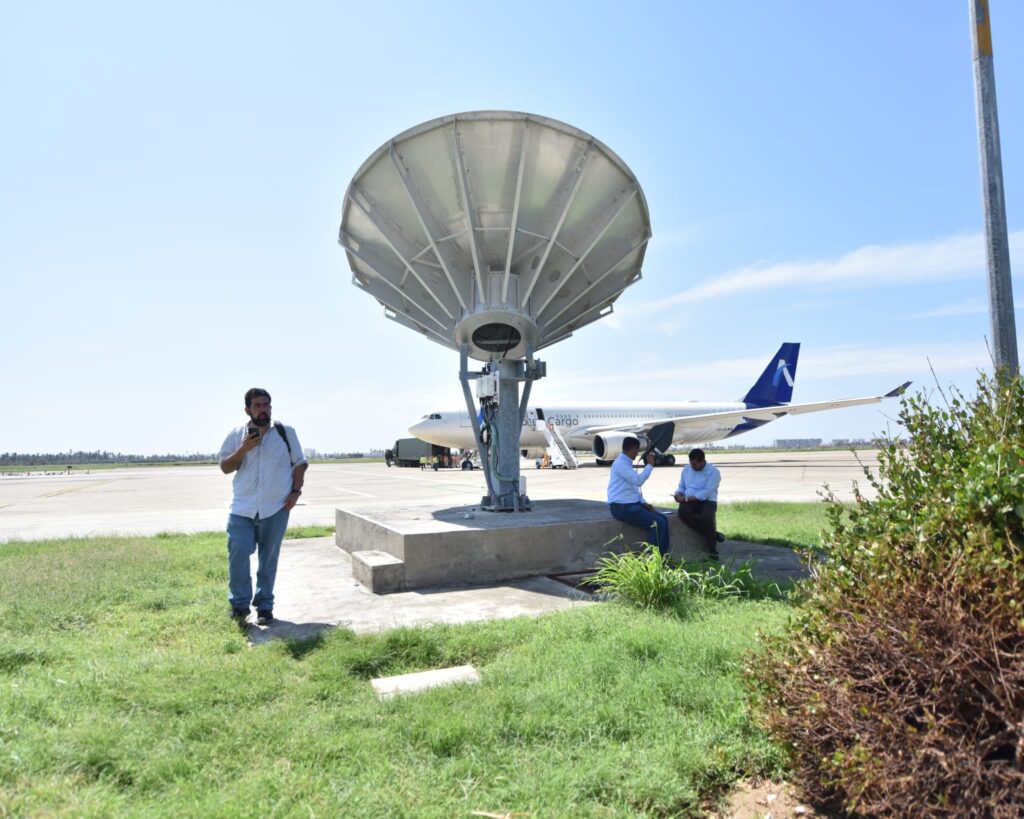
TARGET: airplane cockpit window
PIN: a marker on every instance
(435, 416)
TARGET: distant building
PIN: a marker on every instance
(309, 453)
(797, 443)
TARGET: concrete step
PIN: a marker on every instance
(379, 571)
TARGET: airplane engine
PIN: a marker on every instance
(608, 447)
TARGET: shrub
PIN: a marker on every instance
(643, 579)
(648, 580)
(900, 686)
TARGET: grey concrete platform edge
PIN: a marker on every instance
(394, 549)
(316, 592)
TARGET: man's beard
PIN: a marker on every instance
(261, 420)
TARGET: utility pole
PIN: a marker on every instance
(997, 248)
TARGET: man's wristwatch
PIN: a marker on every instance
(295, 492)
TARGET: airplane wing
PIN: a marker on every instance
(757, 414)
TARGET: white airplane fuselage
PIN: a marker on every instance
(604, 427)
(454, 429)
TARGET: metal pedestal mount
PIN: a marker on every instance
(498, 424)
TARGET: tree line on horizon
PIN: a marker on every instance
(103, 457)
(96, 457)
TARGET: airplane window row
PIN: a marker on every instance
(620, 415)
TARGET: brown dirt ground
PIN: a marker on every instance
(767, 800)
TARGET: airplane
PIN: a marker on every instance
(603, 428)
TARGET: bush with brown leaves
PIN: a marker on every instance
(899, 688)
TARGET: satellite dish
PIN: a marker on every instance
(495, 233)
(501, 231)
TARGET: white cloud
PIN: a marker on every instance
(968, 308)
(950, 258)
(727, 379)
(912, 361)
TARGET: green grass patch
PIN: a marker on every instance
(296, 532)
(125, 690)
(649, 580)
(779, 524)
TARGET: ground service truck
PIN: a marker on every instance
(408, 451)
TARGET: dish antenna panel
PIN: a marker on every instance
(495, 233)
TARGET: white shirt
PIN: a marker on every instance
(702, 484)
(625, 482)
(263, 481)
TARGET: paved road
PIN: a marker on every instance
(147, 500)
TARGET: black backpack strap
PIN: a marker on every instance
(284, 436)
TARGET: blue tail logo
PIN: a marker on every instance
(782, 370)
(775, 386)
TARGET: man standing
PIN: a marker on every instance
(697, 496)
(269, 473)
(625, 499)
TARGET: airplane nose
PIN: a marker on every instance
(417, 428)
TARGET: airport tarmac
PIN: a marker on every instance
(148, 500)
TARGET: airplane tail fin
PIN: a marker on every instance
(775, 386)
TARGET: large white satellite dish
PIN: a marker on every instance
(495, 233)
(501, 230)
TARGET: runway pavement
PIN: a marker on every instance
(147, 500)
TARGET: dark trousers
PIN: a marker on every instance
(654, 522)
(701, 517)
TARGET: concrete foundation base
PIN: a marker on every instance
(412, 547)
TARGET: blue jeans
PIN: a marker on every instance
(635, 514)
(245, 535)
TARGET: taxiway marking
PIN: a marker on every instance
(354, 492)
(75, 489)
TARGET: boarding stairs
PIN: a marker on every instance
(558, 447)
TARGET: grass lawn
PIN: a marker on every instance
(125, 690)
(779, 524)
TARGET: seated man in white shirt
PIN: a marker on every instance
(625, 500)
(697, 496)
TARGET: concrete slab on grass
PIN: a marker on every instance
(315, 591)
(422, 680)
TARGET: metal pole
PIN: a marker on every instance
(485, 460)
(509, 430)
(1000, 286)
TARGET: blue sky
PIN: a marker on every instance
(174, 175)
